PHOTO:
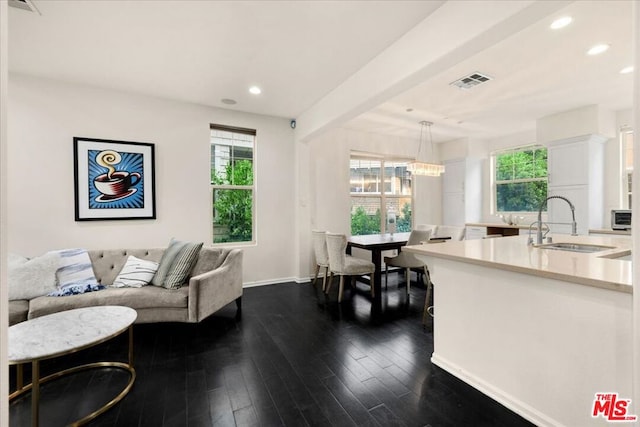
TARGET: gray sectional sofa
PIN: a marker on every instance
(216, 280)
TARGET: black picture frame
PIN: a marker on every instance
(114, 180)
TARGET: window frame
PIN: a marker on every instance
(382, 195)
(252, 188)
(494, 182)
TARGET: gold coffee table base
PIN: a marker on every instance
(119, 365)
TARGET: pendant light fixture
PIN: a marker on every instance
(423, 167)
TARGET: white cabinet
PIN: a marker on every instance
(575, 169)
(462, 192)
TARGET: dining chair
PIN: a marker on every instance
(430, 227)
(456, 233)
(321, 254)
(408, 261)
(341, 264)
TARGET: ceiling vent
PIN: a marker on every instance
(471, 80)
(24, 5)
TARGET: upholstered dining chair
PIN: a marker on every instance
(408, 261)
(456, 233)
(341, 264)
(430, 227)
(321, 254)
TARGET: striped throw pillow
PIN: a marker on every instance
(176, 264)
(136, 273)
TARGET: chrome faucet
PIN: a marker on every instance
(574, 225)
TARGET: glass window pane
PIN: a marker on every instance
(397, 179)
(401, 207)
(520, 197)
(231, 158)
(232, 215)
(365, 176)
(365, 215)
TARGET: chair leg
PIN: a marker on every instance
(329, 284)
(315, 279)
(324, 278)
(341, 288)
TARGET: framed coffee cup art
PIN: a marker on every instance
(113, 179)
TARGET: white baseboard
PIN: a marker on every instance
(271, 282)
(507, 400)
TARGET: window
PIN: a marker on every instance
(626, 137)
(379, 187)
(232, 184)
(520, 179)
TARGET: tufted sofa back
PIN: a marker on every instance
(108, 263)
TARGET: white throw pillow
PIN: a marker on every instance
(31, 278)
(136, 273)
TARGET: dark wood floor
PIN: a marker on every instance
(294, 359)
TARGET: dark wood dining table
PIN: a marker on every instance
(376, 243)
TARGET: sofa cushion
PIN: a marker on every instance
(109, 262)
(18, 311)
(145, 297)
(209, 259)
(136, 273)
(30, 278)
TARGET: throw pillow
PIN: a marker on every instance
(176, 264)
(31, 278)
(75, 273)
(136, 273)
(182, 266)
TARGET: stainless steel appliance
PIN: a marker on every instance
(621, 219)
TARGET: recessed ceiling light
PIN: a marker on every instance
(598, 49)
(255, 90)
(228, 101)
(627, 70)
(561, 22)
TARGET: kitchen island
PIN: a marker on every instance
(539, 330)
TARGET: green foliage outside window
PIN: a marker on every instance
(363, 223)
(233, 208)
(403, 224)
(521, 180)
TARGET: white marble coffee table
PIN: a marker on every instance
(64, 333)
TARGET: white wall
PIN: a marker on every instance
(44, 116)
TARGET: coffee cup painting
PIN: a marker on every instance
(114, 179)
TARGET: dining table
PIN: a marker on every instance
(376, 244)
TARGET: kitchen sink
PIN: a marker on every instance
(575, 247)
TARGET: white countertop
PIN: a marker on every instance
(512, 253)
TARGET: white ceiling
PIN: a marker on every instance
(299, 51)
(204, 51)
